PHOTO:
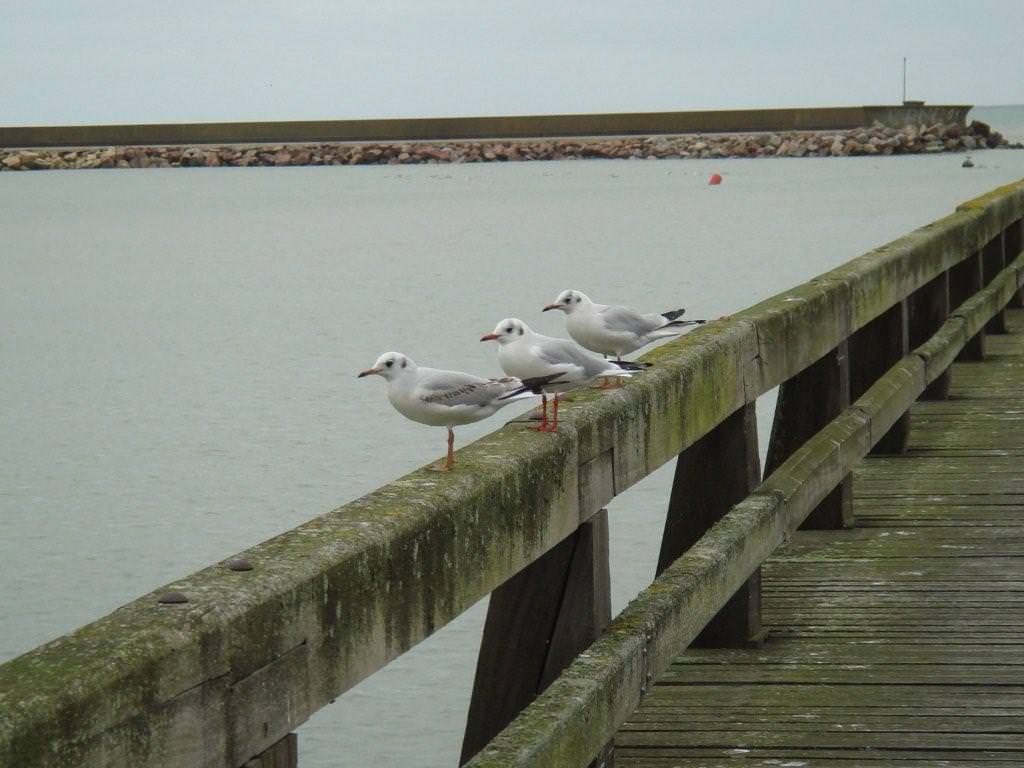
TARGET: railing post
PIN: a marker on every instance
(283, 754)
(928, 309)
(1013, 243)
(537, 623)
(713, 475)
(993, 260)
(874, 349)
(965, 280)
(806, 403)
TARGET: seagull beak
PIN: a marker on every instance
(368, 372)
(489, 337)
(551, 306)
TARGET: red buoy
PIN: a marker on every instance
(715, 179)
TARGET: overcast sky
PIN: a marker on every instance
(63, 61)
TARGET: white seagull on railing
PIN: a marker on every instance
(533, 356)
(446, 398)
(614, 330)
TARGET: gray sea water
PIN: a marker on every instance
(179, 350)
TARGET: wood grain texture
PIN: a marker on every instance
(966, 279)
(537, 623)
(927, 309)
(873, 350)
(712, 475)
(806, 403)
(993, 259)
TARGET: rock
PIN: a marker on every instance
(952, 131)
(969, 142)
(12, 161)
(979, 128)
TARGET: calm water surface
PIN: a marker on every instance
(179, 353)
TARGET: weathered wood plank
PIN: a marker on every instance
(966, 279)
(993, 259)
(537, 623)
(874, 349)
(805, 404)
(283, 754)
(641, 758)
(713, 475)
(1013, 239)
(1002, 744)
(928, 308)
(883, 758)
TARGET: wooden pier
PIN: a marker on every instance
(857, 603)
(899, 643)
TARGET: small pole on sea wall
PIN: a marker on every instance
(904, 80)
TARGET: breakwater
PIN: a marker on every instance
(877, 139)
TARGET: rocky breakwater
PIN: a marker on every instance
(875, 140)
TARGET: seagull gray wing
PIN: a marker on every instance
(565, 352)
(454, 388)
(626, 320)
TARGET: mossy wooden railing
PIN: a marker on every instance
(218, 668)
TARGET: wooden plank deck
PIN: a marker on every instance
(898, 643)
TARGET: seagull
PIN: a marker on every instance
(446, 398)
(532, 357)
(613, 330)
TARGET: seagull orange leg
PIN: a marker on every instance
(451, 449)
(543, 426)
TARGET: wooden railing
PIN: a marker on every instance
(218, 668)
(894, 337)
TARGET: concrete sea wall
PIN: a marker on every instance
(493, 127)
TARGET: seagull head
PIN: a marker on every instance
(569, 301)
(507, 331)
(390, 366)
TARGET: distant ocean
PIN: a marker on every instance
(1007, 119)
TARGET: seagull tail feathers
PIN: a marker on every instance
(630, 366)
(532, 386)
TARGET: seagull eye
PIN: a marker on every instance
(389, 363)
(509, 329)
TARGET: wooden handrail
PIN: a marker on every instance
(570, 722)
